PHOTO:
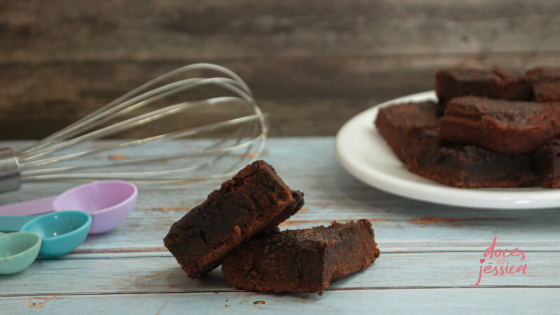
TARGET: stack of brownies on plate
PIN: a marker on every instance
(490, 128)
(237, 227)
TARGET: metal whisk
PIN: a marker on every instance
(184, 161)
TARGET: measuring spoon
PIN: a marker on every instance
(61, 231)
(17, 251)
(109, 203)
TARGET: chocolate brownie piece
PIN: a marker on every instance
(499, 125)
(395, 122)
(547, 164)
(301, 260)
(453, 164)
(545, 82)
(494, 83)
(466, 166)
(254, 199)
(514, 87)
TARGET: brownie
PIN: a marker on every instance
(466, 166)
(500, 125)
(493, 83)
(395, 122)
(547, 164)
(301, 260)
(448, 163)
(254, 199)
(545, 82)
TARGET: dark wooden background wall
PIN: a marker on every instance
(312, 64)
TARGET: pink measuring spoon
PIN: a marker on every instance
(108, 202)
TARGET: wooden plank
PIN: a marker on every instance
(391, 237)
(159, 275)
(425, 301)
(304, 96)
(164, 30)
(312, 66)
(401, 225)
(128, 271)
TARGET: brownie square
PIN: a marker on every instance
(396, 122)
(547, 164)
(491, 83)
(545, 82)
(254, 199)
(466, 166)
(500, 125)
(418, 143)
(514, 87)
(301, 260)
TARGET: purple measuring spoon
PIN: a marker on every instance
(108, 202)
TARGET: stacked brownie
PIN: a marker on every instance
(541, 84)
(491, 128)
(238, 226)
(301, 260)
(495, 83)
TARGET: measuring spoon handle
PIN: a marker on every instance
(31, 207)
(13, 223)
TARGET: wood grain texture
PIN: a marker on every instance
(430, 254)
(304, 96)
(310, 165)
(159, 30)
(417, 301)
(164, 275)
(312, 65)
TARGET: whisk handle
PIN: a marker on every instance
(10, 178)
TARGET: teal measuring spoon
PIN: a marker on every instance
(61, 232)
(17, 251)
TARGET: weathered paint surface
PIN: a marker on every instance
(430, 253)
(362, 301)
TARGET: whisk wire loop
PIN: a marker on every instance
(239, 147)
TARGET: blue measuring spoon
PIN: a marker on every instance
(61, 231)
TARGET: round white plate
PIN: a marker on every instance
(363, 152)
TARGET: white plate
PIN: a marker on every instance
(364, 153)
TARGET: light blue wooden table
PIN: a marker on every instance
(430, 254)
